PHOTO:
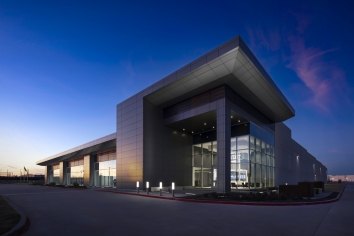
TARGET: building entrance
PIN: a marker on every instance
(204, 165)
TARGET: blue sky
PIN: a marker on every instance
(64, 65)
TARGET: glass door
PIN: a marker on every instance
(204, 165)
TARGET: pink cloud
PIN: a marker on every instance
(323, 84)
(270, 40)
(302, 22)
(319, 77)
(323, 79)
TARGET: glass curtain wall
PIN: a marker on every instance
(105, 170)
(50, 175)
(204, 165)
(240, 165)
(252, 163)
(75, 172)
(56, 174)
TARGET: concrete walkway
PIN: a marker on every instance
(339, 218)
(56, 211)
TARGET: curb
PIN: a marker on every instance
(233, 202)
(23, 224)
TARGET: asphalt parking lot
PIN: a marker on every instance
(58, 211)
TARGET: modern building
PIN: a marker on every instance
(215, 123)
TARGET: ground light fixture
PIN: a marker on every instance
(147, 187)
(160, 188)
(173, 189)
(137, 187)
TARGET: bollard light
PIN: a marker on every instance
(147, 187)
(173, 189)
(160, 188)
(137, 186)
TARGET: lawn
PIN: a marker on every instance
(8, 216)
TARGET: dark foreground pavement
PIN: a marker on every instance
(56, 211)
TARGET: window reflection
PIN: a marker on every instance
(204, 164)
(75, 172)
(55, 175)
(252, 163)
(105, 170)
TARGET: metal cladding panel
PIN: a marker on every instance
(105, 143)
(87, 170)
(293, 163)
(167, 155)
(61, 172)
(223, 145)
(233, 58)
(129, 142)
(46, 170)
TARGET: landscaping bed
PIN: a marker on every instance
(257, 197)
(74, 186)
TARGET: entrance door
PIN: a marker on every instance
(204, 161)
(197, 177)
(207, 178)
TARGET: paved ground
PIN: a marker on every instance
(56, 211)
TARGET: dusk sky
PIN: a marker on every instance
(64, 65)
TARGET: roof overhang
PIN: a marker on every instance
(105, 143)
(232, 64)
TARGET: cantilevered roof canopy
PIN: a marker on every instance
(105, 143)
(232, 64)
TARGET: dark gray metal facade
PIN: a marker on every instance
(293, 162)
(226, 81)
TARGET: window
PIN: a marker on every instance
(105, 170)
(204, 164)
(252, 163)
